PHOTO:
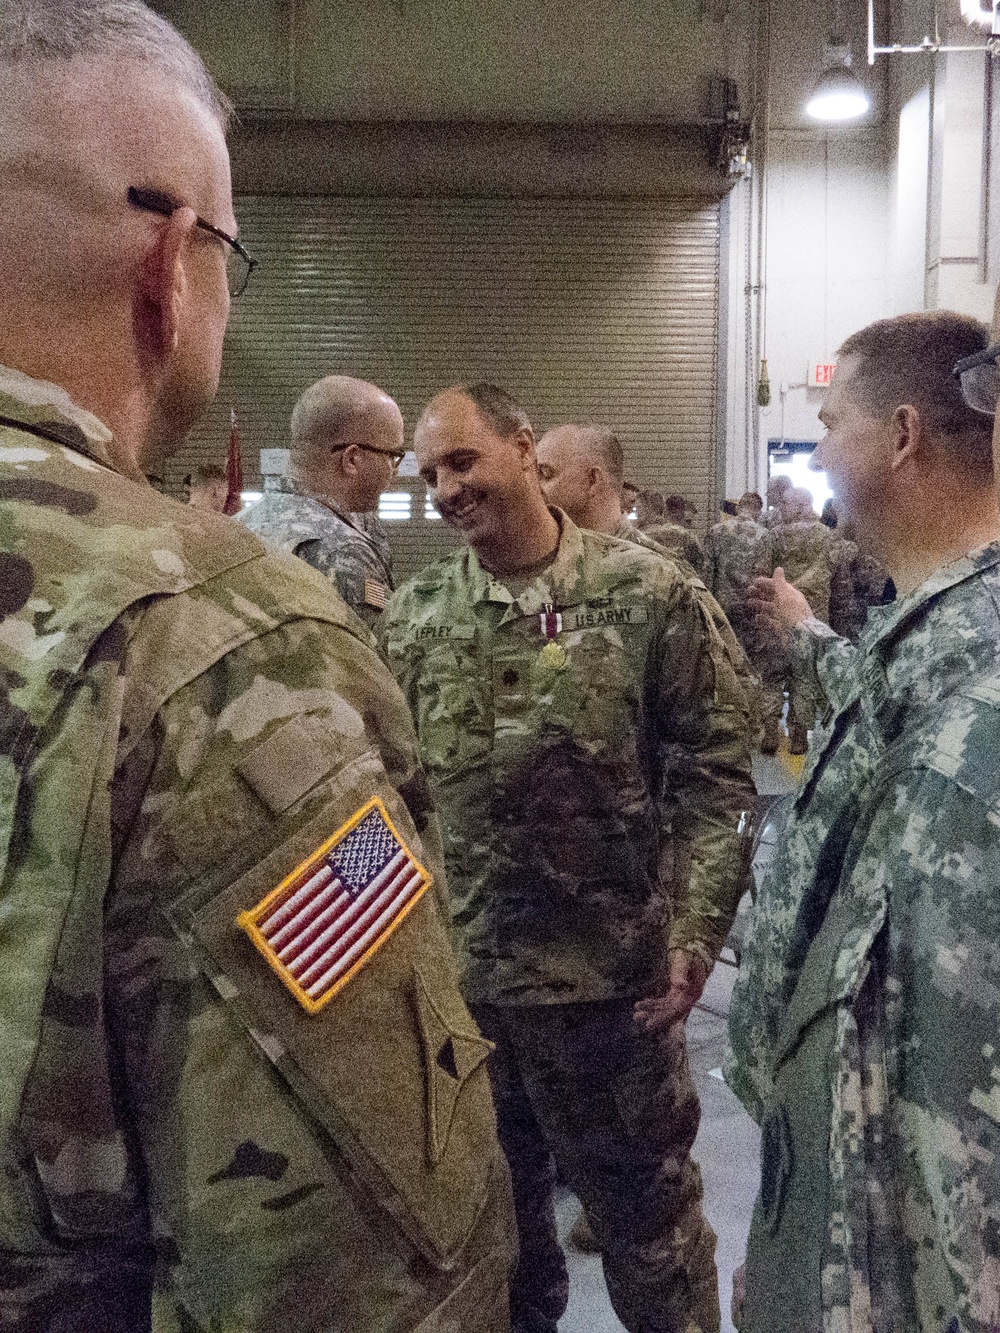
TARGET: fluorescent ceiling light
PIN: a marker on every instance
(838, 96)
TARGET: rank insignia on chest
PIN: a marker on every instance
(327, 918)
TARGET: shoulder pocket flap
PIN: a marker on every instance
(392, 1067)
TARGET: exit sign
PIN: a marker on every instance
(820, 374)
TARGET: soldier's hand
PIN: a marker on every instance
(777, 604)
(686, 981)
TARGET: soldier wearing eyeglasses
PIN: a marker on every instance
(864, 1023)
(346, 444)
(234, 1061)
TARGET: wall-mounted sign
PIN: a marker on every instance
(820, 374)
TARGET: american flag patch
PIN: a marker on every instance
(323, 923)
(376, 594)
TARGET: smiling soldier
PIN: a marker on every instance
(586, 734)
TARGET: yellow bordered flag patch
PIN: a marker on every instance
(334, 911)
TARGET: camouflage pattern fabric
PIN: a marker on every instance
(587, 782)
(625, 1155)
(863, 1029)
(377, 533)
(313, 528)
(807, 551)
(681, 542)
(857, 584)
(185, 719)
(736, 552)
(748, 675)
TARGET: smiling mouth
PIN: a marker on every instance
(459, 513)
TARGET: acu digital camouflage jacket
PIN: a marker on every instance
(864, 1026)
(336, 543)
(590, 763)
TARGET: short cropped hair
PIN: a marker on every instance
(320, 414)
(604, 445)
(909, 359)
(123, 30)
(496, 406)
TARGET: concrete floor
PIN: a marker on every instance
(727, 1146)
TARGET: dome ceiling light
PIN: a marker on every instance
(839, 95)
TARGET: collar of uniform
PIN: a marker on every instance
(48, 411)
(885, 622)
(556, 585)
(289, 486)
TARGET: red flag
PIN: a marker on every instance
(234, 467)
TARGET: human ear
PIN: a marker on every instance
(907, 436)
(524, 442)
(163, 286)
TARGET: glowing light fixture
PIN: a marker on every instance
(985, 13)
(838, 96)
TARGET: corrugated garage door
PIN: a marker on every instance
(603, 311)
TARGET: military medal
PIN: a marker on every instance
(553, 655)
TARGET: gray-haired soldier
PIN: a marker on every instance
(233, 1049)
(346, 443)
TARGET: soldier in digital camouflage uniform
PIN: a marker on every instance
(585, 732)
(581, 468)
(186, 720)
(346, 443)
(864, 1023)
(673, 532)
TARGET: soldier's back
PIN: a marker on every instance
(211, 729)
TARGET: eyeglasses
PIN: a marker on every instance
(979, 377)
(239, 262)
(395, 455)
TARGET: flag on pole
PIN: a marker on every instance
(234, 467)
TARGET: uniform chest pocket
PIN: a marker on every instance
(450, 696)
(594, 691)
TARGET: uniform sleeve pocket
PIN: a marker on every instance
(392, 1066)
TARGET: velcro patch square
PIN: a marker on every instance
(330, 915)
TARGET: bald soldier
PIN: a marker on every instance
(346, 444)
(234, 1051)
(585, 731)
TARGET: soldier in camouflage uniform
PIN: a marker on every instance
(196, 742)
(584, 729)
(735, 552)
(346, 443)
(858, 583)
(807, 551)
(864, 1023)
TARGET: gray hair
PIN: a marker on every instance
(123, 30)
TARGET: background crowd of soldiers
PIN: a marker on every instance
(817, 554)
